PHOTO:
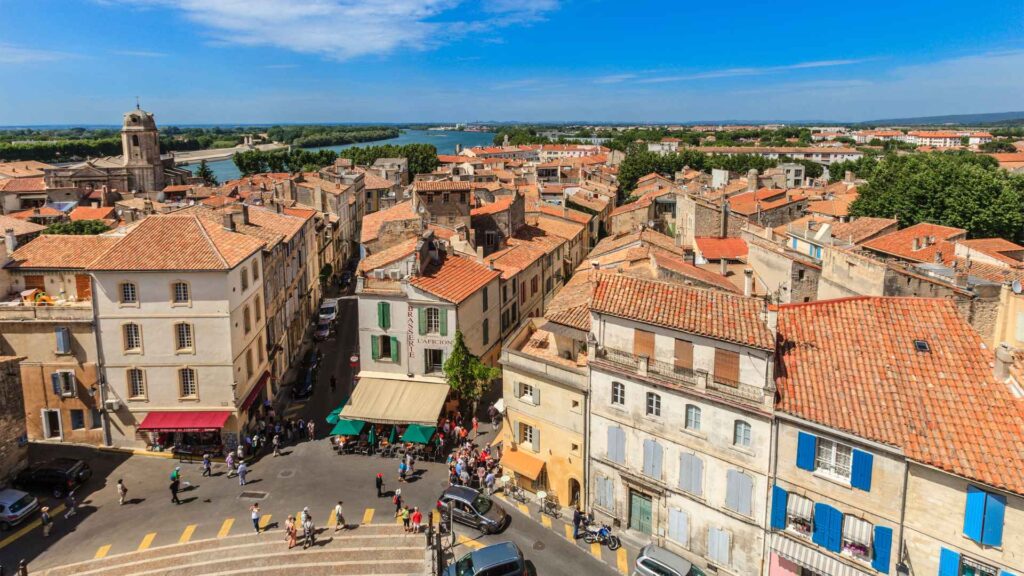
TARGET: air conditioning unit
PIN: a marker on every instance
(113, 404)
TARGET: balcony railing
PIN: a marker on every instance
(676, 373)
(65, 311)
(737, 389)
(653, 368)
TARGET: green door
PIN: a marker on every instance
(639, 512)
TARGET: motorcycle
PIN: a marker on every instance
(601, 533)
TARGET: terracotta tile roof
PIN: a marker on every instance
(839, 206)
(287, 225)
(178, 188)
(642, 203)
(653, 176)
(268, 237)
(641, 238)
(22, 168)
(992, 272)
(20, 227)
(747, 203)
(441, 232)
(44, 211)
(996, 248)
(442, 185)
(455, 159)
(571, 305)
(312, 181)
(53, 251)
(216, 201)
(851, 364)
(500, 204)
(515, 259)
(718, 248)
(598, 203)
(371, 181)
(564, 213)
(454, 279)
(559, 227)
(712, 313)
(90, 213)
(861, 229)
(676, 264)
(901, 243)
(373, 221)
(300, 212)
(23, 185)
(388, 255)
(178, 243)
(534, 236)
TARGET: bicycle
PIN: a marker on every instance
(516, 493)
(549, 505)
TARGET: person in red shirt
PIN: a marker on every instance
(417, 518)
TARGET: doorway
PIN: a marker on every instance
(51, 424)
(639, 512)
(574, 492)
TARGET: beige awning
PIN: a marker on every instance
(385, 401)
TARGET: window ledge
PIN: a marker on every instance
(741, 449)
(694, 433)
(845, 483)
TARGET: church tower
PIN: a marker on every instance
(140, 145)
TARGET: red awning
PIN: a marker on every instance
(184, 421)
(255, 392)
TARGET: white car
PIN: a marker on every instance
(15, 506)
(329, 309)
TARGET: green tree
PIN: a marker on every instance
(998, 146)
(206, 173)
(77, 228)
(466, 374)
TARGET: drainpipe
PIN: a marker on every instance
(903, 513)
(773, 464)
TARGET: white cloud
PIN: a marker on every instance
(749, 71)
(140, 53)
(343, 29)
(613, 78)
(11, 54)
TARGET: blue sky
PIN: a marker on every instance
(223, 61)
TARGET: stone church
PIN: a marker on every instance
(139, 169)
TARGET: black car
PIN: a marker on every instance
(59, 476)
(303, 387)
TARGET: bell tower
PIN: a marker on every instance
(140, 145)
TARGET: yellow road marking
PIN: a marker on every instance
(332, 519)
(264, 520)
(30, 527)
(463, 541)
(545, 520)
(146, 541)
(186, 535)
(595, 550)
(522, 508)
(621, 561)
(568, 533)
(225, 528)
(435, 517)
(102, 552)
(368, 516)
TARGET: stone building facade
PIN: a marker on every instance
(13, 441)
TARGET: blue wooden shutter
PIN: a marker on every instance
(657, 453)
(1004, 573)
(806, 446)
(55, 380)
(63, 340)
(995, 510)
(828, 527)
(974, 513)
(835, 531)
(860, 475)
(779, 500)
(883, 549)
(949, 563)
(443, 314)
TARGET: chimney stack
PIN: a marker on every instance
(11, 240)
(751, 180)
(724, 267)
(229, 222)
(723, 227)
(1004, 359)
(748, 282)
(245, 214)
(147, 206)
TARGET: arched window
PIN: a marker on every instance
(692, 417)
(741, 434)
(246, 320)
(245, 279)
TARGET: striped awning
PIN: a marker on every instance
(857, 530)
(798, 506)
(812, 559)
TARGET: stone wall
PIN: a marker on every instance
(13, 443)
(782, 273)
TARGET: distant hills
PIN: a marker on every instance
(956, 119)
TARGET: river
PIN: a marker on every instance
(443, 140)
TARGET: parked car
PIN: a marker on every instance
(59, 476)
(303, 387)
(502, 559)
(472, 508)
(329, 309)
(15, 506)
(323, 331)
(656, 561)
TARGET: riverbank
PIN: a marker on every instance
(220, 154)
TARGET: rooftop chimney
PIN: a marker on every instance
(751, 180)
(748, 282)
(147, 206)
(11, 240)
(229, 222)
(245, 214)
(724, 267)
(1004, 359)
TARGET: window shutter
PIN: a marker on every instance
(822, 516)
(536, 439)
(684, 354)
(779, 500)
(63, 340)
(835, 531)
(806, 446)
(860, 475)
(974, 513)
(612, 443)
(744, 490)
(685, 475)
(515, 433)
(375, 347)
(609, 494)
(697, 475)
(599, 491)
(995, 511)
(883, 549)
(731, 490)
(678, 526)
(727, 365)
(443, 315)
(423, 321)
(1004, 572)
(55, 381)
(648, 450)
(536, 396)
(949, 563)
(394, 349)
(712, 543)
(643, 343)
(657, 452)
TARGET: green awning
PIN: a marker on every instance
(334, 416)
(348, 427)
(418, 434)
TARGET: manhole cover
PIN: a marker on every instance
(253, 495)
(538, 545)
(286, 473)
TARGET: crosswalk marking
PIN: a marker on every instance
(545, 520)
(332, 519)
(225, 528)
(368, 516)
(186, 534)
(621, 561)
(463, 541)
(264, 521)
(568, 533)
(435, 517)
(595, 550)
(146, 541)
(102, 552)
(522, 508)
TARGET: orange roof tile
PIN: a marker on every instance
(996, 248)
(571, 305)
(676, 264)
(454, 279)
(515, 259)
(748, 203)
(44, 211)
(901, 244)
(20, 226)
(641, 238)
(559, 227)
(388, 255)
(373, 221)
(711, 313)
(23, 185)
(90, 213)
(642, 203)
(712, 248)
(500, 204)
(22, 168)
(851, 364)
(838, 207)
(564, 213)
(861, 229)
(54, 251)
(441, 185)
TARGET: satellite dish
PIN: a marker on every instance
(1016, 287)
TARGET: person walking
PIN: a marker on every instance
(302, 429)
(402, 469)
(406, 516)
(254, 511)
(289, 531)
(70, 504)
(339, 517)
(577, 521)
(277, 445)
(121, 492)
(230, 461)
(379, 481)
(242, 471)
(489, 482)
(306, 515)
(310, 427)
(46, 520)
(397, 500)
(175, 485)
(207, 465)
(417, 519)
(308, 531)
(22, 568)
(476, 427)
(240, 452)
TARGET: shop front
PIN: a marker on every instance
(186, 432)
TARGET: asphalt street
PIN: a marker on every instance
(308, 473)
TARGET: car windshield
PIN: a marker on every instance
(464, 567)
(21, 503)
(323, 326)
(481, 504)
(327, 310)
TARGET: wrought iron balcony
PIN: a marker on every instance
(736, 388)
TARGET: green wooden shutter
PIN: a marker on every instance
(374, 347)
(394, 349)
(444, 321)
(423, 321)
(385, 315)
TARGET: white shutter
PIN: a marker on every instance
(648, 466)
(697, 475)
(536, 439)
(678, 526)
(745, 489)
(731, 491)
(536, 395)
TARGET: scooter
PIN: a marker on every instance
(601, 533)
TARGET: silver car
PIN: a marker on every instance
(15, 506)
(656, 561)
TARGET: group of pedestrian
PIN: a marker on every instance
(470, 465)
(412, 518)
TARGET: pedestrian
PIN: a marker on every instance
(121, 492)
(310, 426)
(242, 471)
(417, 518)
(240, 452)
(489, 482)
(302, 429)
(289, 531)
(406, 514)
(380, 484)
(175, 485)
(277, 445)
(402, 469)
(207, 465)
(306, 515)
(308, 531)
(230, 461)
(397, 500)
(254, 511)
(70, 504)
(176, 473)
(46, 520)
(339, 517)
(476, 427)
(577, 521)
(22, 568)
(492, 412)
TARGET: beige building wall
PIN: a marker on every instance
(1009, 325)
